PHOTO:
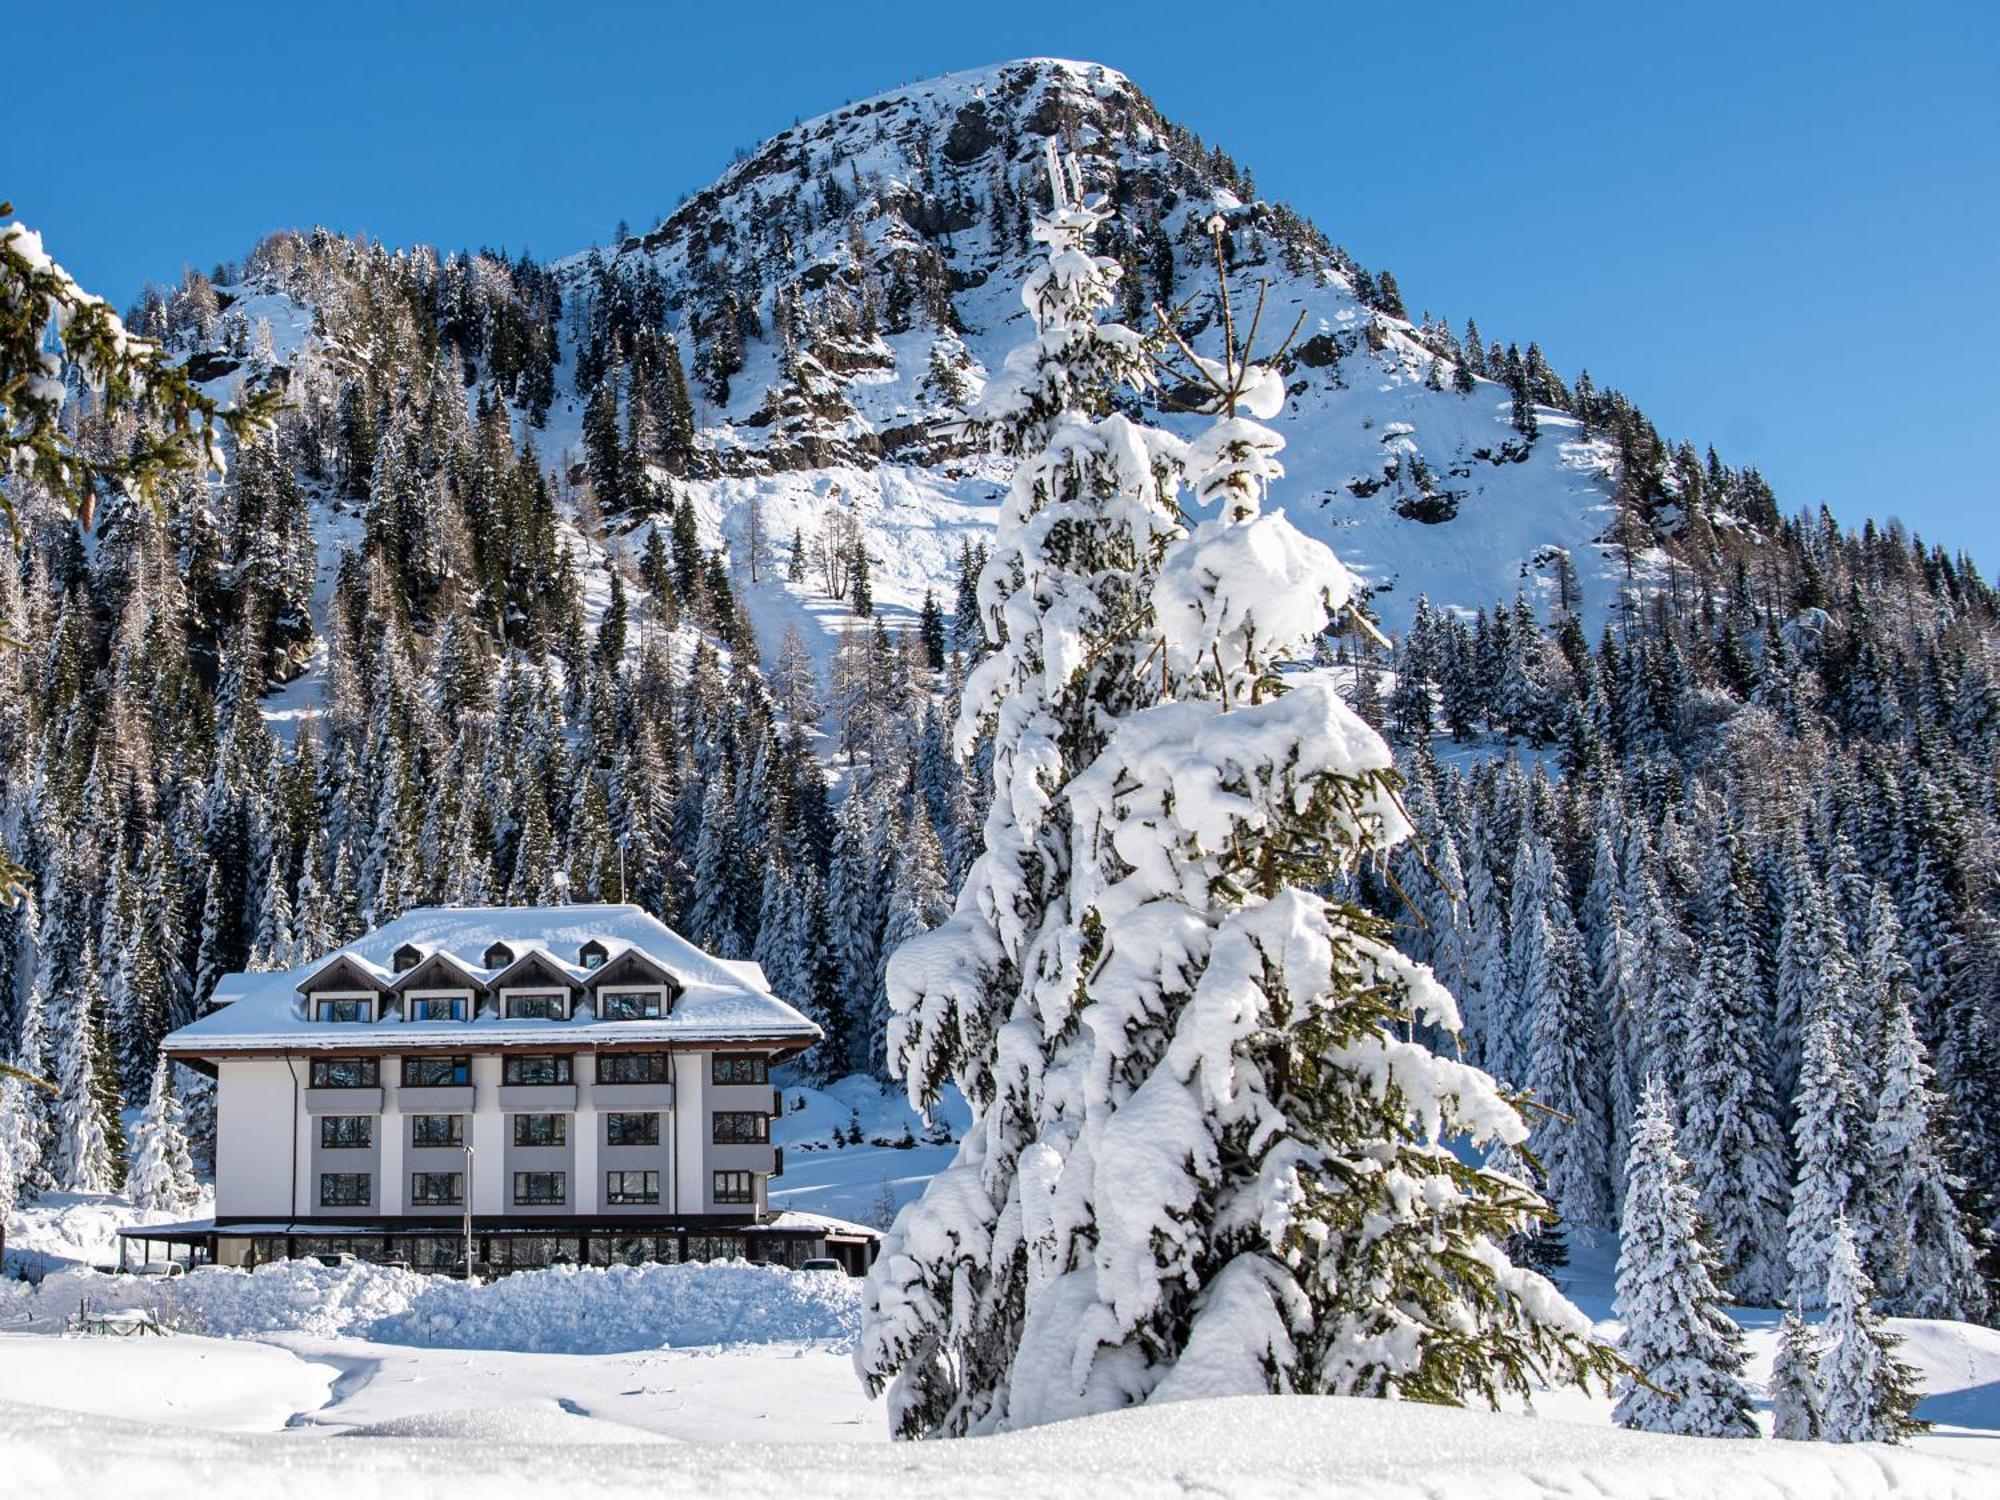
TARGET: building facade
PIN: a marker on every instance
(573, 1084)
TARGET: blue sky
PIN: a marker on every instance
(1773, 224)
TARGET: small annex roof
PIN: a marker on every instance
(720, 1001)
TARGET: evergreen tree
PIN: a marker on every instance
(89, 1134)
(1916, 1235)
(162, 1173)
(1868, 1395)
(1795, 1394)
(1830, 1135)
(1181, 1200)
(930, 631)
(1677, 1337)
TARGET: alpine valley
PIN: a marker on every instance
(650, 574)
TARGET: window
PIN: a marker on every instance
(343, 1010)
(723, 1068)
(741, 1127)
(436, 1072)
(436, 1189)
(538, 1068)
(535, 1007)
(407, 957)
(345, 1073)
(632, 1067)
(633, 1249)
(540, 1187)
(346, 1132)
(343, 1189)
(629, 1005)
(735, 1187)
(437, 1130)
(438, 1007)
(631, 1187)
(631, 1130)
(498, 956)
(541, 1130)
(592, 954)
(715, 1247)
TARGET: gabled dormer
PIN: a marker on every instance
(497, 956)
(534, 987)
(343, 989)
(634, 986)
(406, 958)
(438, 988)
(592, 955)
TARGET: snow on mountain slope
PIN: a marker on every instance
(869, 248)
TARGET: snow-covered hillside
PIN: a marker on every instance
(870, 261)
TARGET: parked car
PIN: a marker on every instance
(336, 1260)
(160, 1268)
(824, 1263)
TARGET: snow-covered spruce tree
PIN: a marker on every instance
(1677, 1337)
(1566, 1059)
(1228, 1173)
(1795, 1393)
(20, 1139)
(1917, 1237)
(89, 1135)
(1244, 1180)
(1867, 1394)
(1729, 1129)
(982, 1000)
(1830, 1132)
(162, 1171)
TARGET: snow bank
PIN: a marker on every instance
(567, 1310)
(1262, 1446)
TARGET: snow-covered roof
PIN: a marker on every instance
(720, 1000)
(795, 1220)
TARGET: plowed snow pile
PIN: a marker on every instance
(567, 1310)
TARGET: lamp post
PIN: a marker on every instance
(465, 1197)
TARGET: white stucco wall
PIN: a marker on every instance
(259, 1136)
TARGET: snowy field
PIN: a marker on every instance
(737, 1380)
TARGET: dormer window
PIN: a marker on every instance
(347, 1008)
(592, 954)
(535, 1007)
(498, 956)
(439, 1007)
(407, 957)
(629, 1005)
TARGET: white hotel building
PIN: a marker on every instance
(592, 1087)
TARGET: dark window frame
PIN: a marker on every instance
(723, 1066)
(362, 1182)
(557, 1181)
(454, 1190)
(460, 1007)
(648, 1134)
(652, 1005)
(719, 1135)
(557, 1008)
(455, 1140)
(324, 1011)
(328, 1130)
(617, 1191)
(559, 1134)
(748, 1190)
(320, 1073)
(513, 1064)
(660, 1069)
(458, 1065)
